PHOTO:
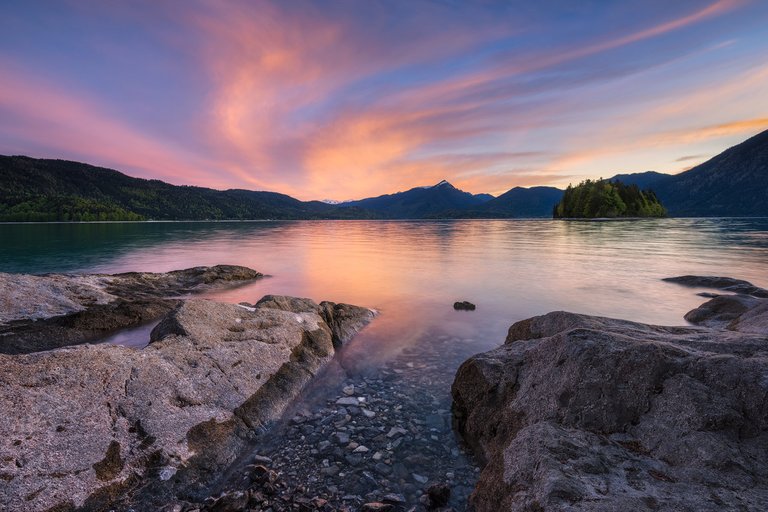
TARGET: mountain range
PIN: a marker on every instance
(733, 183)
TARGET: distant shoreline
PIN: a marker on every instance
(452, 219)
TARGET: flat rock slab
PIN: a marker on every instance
(727, 284)
(83, 424)
(42, 312)
(585, 413)
(37, 297)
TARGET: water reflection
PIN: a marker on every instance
(414, 270)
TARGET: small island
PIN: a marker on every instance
(592, 199)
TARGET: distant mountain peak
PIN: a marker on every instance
(443, 183)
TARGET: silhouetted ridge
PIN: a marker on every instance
(734, 183)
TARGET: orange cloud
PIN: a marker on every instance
(285, 109)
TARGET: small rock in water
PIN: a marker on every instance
(464, 306)
(341, 437)
(330, 471)
(376, 507)
(419, 478)
(167, 472)
(261, 459)
(395, 499)
(396, 431)
(439, 494)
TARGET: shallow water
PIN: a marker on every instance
(412, 272)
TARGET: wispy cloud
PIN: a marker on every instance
(344, 100)
(689, 157)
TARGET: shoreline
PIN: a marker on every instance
(95, 423)
(144, 467)
(478, 219)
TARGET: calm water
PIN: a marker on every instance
(413, 272)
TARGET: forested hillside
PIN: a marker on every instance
(58, 190)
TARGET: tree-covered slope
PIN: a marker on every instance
(43, 190)
(607, 199)
(732, 184)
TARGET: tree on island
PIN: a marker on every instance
(592, 199)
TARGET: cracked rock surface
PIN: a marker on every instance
(583, 413)
(84, 425)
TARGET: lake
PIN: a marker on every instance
(413, 272)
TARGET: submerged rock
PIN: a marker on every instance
(42, 312)
(464, 306)
(90, 422)
(728, 284)
(584, 413)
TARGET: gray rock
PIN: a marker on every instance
(55, 310)
(347, 400)
(742, 313)
(95, 419)
(720, 283)
(585, 413)
(396, 431)
(341, 438)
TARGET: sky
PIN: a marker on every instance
(354, 98)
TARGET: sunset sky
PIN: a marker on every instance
(348, 99)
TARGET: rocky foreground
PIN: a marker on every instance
(88, 424)
(583, 413)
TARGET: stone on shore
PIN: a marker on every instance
(585, 413)
(84, 424)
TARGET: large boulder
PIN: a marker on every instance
(83, 425)
(584, 413)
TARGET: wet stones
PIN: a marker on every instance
(386, 449)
